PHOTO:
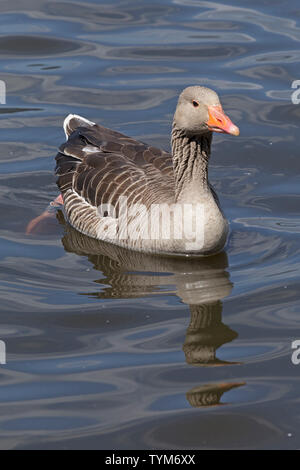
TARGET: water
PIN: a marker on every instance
(107, 349)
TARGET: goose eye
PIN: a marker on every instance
(195, 104)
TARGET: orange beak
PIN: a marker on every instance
(219, 122)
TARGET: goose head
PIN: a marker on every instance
(199, 111)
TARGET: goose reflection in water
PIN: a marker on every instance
(200, 283)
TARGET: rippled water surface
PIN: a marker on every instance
(107, 349)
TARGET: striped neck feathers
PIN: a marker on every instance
(190, 162)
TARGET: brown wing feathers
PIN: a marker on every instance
(100, 165)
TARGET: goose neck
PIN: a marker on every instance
(190, 162)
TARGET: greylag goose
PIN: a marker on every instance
(122, 191)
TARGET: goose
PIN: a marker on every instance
(133, 195)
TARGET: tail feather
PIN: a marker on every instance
(73, 151)
(73, 121)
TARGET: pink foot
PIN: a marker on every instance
(57, 202)
(32, 227)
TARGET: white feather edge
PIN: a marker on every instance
(72, 116)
